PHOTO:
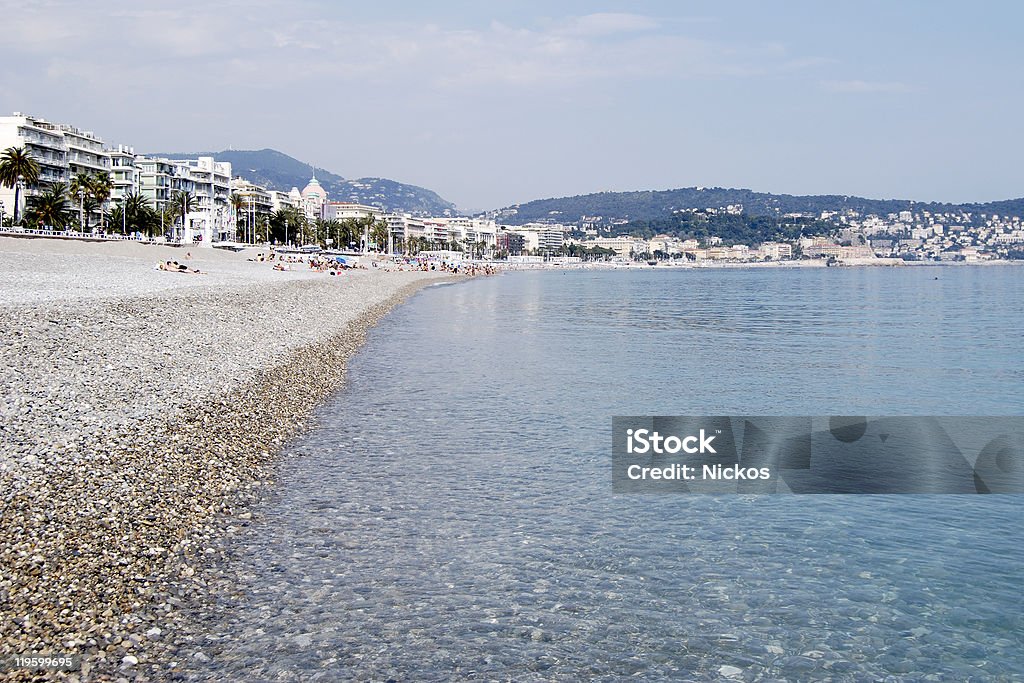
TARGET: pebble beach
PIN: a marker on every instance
(140, 413)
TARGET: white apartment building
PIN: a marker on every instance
(402, 226)
(63, 152)
(124, 173)
(281, 200)
(85, 152)
(473, 230)
(212, 217)
(340, 211)
(623, 247)
(45, 142)
(486, 231)
(435, 230)
(208, 180)
(257, 204)
(160, 179)
(776, 251)
(549, 238)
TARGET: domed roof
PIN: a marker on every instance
(314, 187)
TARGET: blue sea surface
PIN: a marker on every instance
(451, 516)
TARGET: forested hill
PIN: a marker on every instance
(651, 204)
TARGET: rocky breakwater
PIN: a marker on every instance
(134, 431)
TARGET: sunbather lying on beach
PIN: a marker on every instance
(175, 267)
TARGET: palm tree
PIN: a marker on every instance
(139, 213)
(185, 202)
(379, 233)
(168, 214)
(349, 231)
(237, 205)
(17, 166)
(117, 218)
(93, 190)
(81, 187)
(333, 230)
(50, 209)
(102, 188)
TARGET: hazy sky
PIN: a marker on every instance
(492, 103)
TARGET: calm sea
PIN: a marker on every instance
(452, 517)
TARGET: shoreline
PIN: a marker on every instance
(118, 483)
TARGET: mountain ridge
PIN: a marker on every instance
(276, 170)
(650, 204)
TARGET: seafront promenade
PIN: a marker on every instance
(139, 409)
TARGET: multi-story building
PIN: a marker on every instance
(44, 141)
(435, 230)
(402, 227)
(776, 251)
(513, 243)
(281, 200)
(124, 173)
(624, 247)
(208, 181)
(543, 237)
(472, 232)
(212, 217)
(155, 177)
(486, 231)
(252, 219)
(85, 152)
(340, 211)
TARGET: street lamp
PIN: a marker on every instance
(124, 213)
(81, 210)
(17, 199)
(286, 232)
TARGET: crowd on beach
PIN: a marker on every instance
(334, 265)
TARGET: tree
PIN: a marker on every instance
(50, 208)
(379, 233)
(347, 231)
(185, 203)
(17, 166)
(117, 218)
(139, 214)
(238, 206)
(102, 187)
(85, 187)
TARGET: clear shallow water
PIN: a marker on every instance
(452, 516)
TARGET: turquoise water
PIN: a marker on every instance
(452, 517)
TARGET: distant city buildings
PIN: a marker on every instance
(223, 207)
